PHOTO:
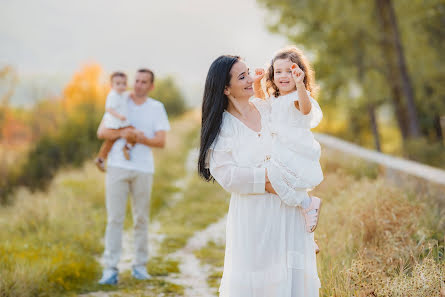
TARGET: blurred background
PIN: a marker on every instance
(380, 66)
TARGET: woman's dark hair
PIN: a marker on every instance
(213, 105)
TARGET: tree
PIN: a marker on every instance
(398, 60)
(392, 48)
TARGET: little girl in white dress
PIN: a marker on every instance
(293, 167)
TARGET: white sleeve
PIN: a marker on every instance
(112, 100)
(233, 178)
(162, 123)
(314, 117)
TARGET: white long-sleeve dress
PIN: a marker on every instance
(268, 252)
(294, 166)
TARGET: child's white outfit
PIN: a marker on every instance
(294, 165)
(119, 103)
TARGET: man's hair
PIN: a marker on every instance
(117, 74)
(146, 70)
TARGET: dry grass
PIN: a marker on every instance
(377, 240)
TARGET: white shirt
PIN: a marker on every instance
(149, 117)
(117, 102)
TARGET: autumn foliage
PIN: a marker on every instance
(86, 88)
(56, 132)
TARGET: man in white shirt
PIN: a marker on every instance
(149, 118)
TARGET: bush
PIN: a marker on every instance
(169, 94)
(75, 142)
(422, 151)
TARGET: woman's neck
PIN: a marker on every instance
(239, 107)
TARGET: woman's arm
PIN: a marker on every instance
(108, 134)
(233, 178)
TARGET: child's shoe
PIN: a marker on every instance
(317, 249)
(100, 163)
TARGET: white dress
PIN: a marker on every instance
(268, 252)
(119, 103)
(294, 166)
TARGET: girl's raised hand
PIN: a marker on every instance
(297, 73)
(259, 74)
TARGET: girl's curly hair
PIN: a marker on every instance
(296, 56)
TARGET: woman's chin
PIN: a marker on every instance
(250, 92)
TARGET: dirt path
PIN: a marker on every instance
(192, 275)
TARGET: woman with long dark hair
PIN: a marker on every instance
(268, 253)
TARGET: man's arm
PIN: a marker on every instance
(157, 141)
(108, 134)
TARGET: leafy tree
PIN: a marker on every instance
(370, 54)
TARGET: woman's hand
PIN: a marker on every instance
(297, 74)
(270, 189)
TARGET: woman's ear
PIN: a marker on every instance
(226, 91)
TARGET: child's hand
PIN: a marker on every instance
(297, 74)
(122, 118)
(259, 74)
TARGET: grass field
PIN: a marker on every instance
(375, 239)
(49, 241)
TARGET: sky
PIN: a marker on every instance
(48, 40)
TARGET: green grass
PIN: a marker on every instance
(49, 241)
(203, 204)
(213, 255)
(159, 266)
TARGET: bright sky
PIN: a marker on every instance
(179, 37)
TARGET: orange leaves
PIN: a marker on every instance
(14, 132)
(86, 87)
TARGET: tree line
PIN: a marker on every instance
(371, 56)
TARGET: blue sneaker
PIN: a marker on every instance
(110, 276)
(140, 272)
